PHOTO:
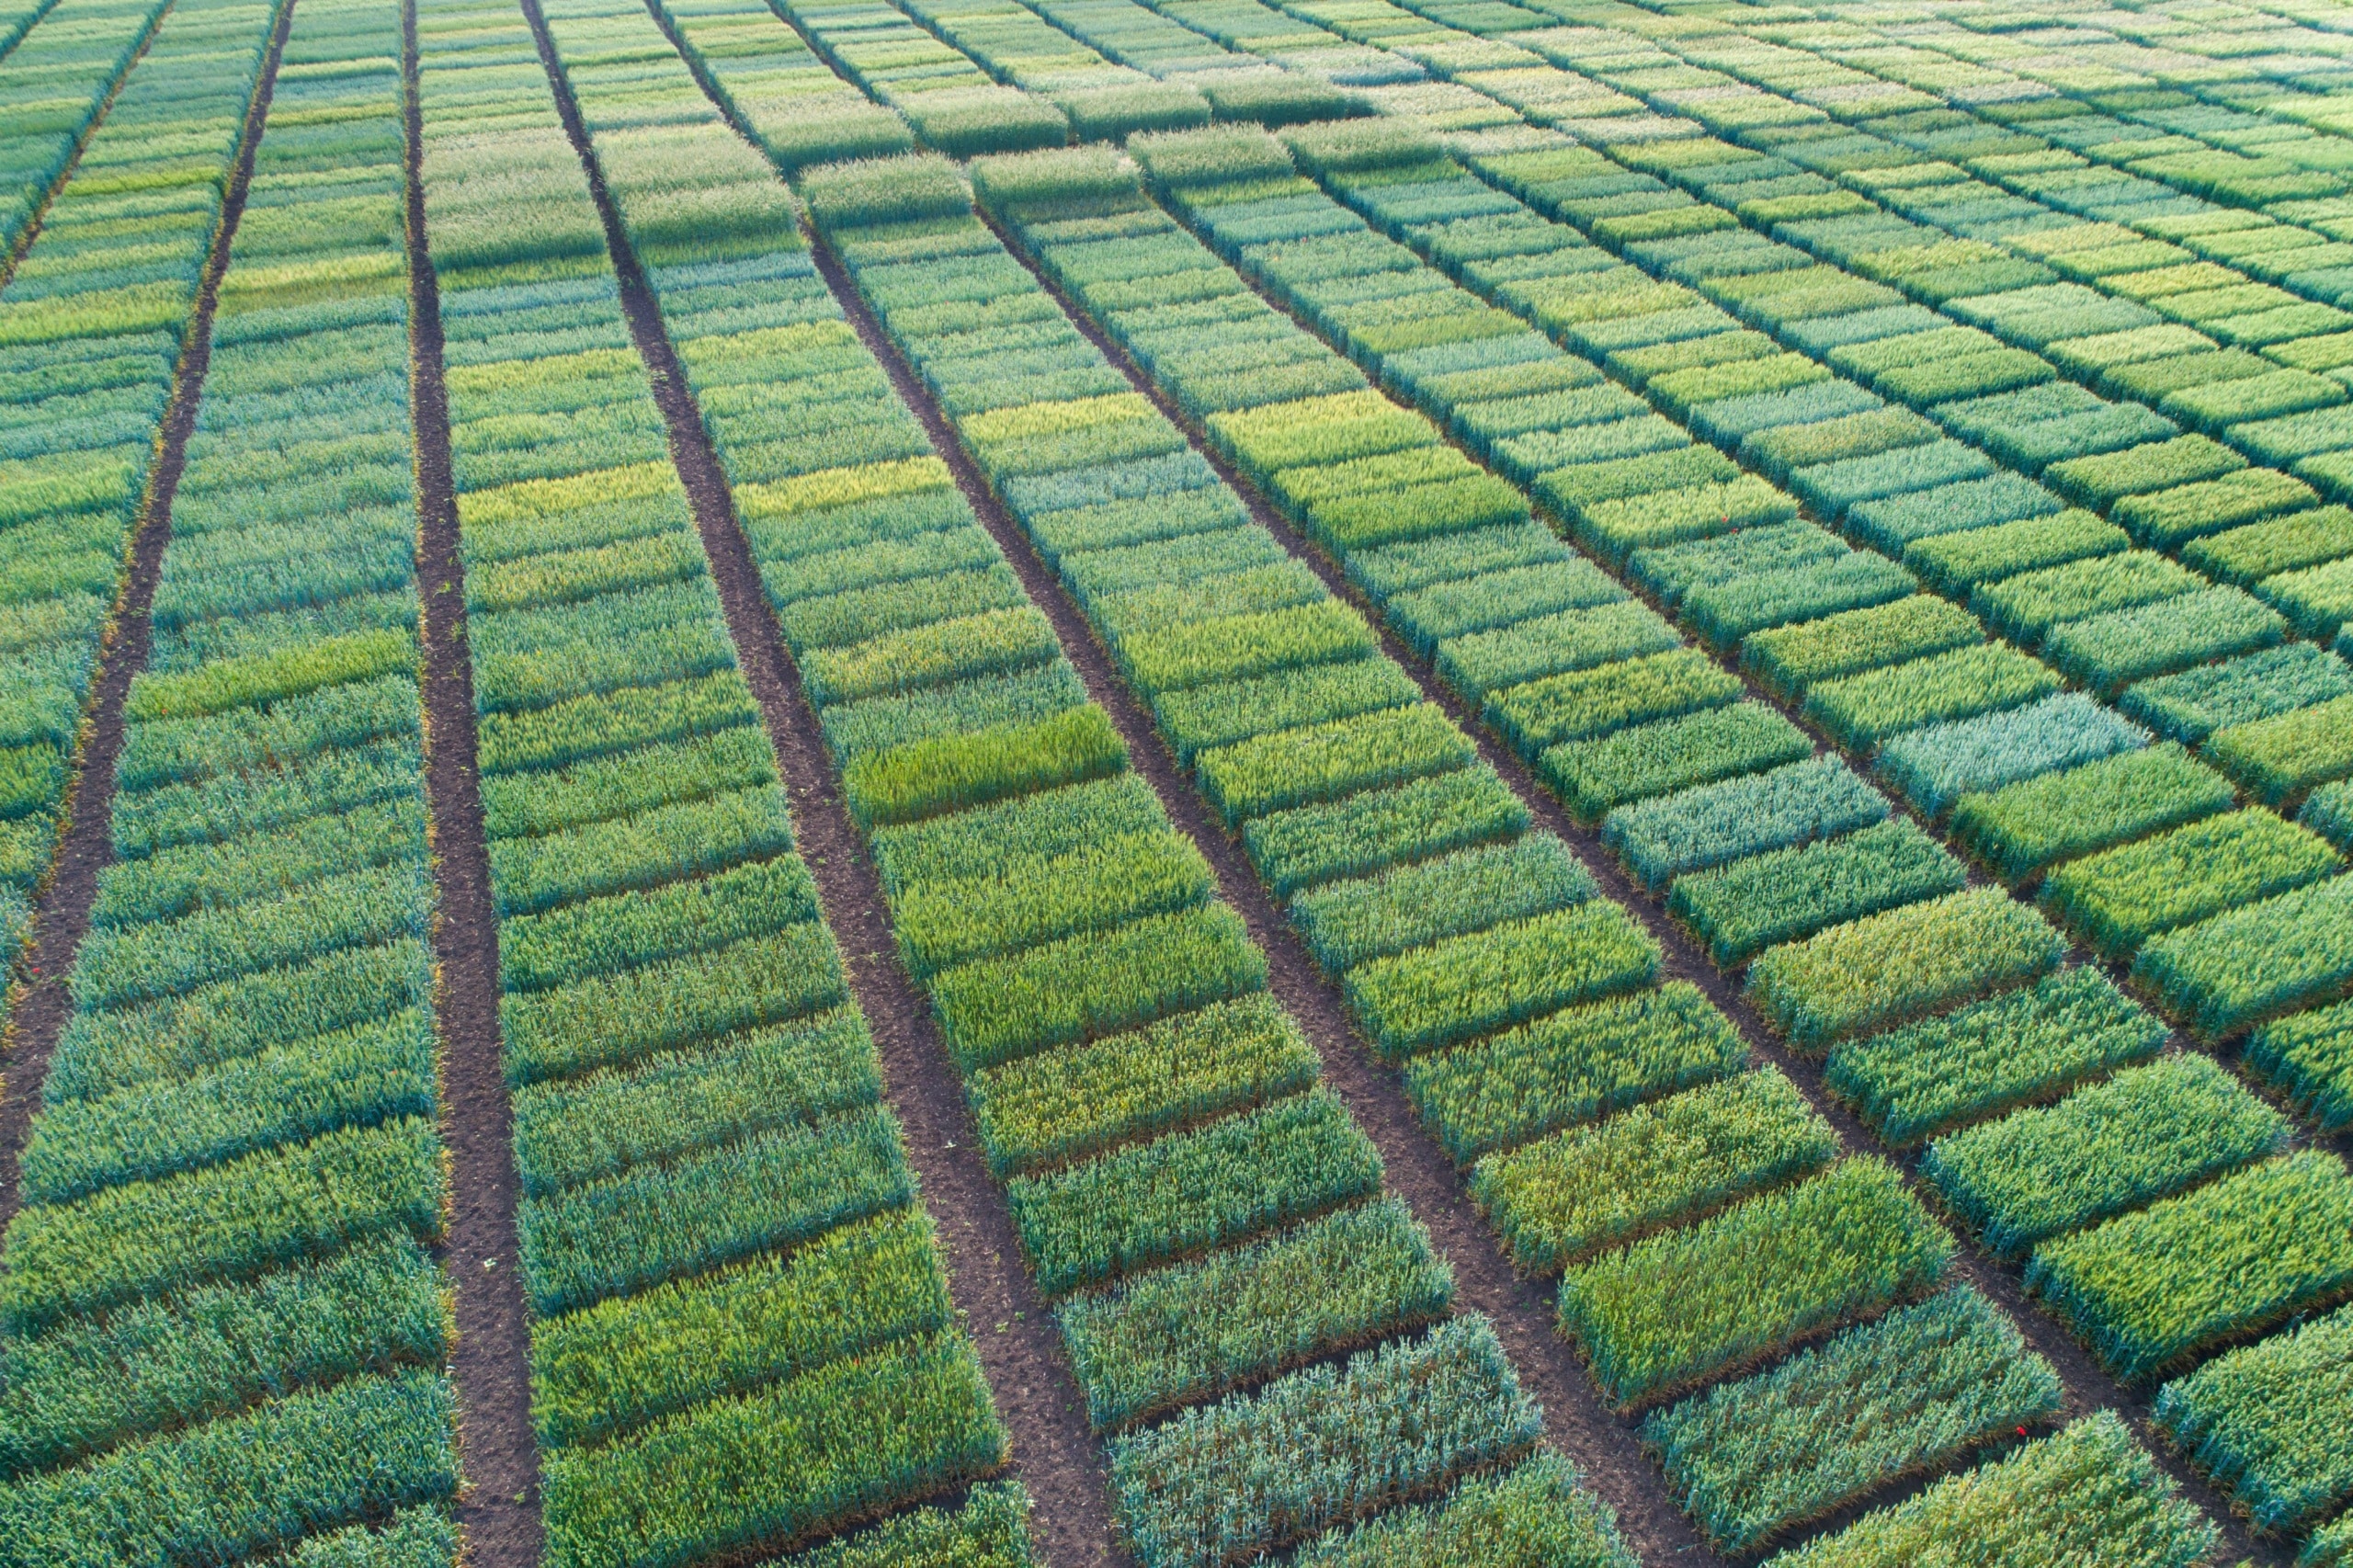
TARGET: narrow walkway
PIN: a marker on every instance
(499, 1512)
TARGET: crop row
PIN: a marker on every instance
(1292, 430)
(2005, 546)
(741, 1330)
(1416, 976)
(57, 84)
(92, 328)
(1993, 325)
(1204, 1215)
(225, 1333)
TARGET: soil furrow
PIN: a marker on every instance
(499, 1511)
(1055, 1455)
(86, 836)
(2089, 1387)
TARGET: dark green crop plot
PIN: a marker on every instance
(995, 1010)
(2310, 1057)
(2266, 1421)
(1065, 1105)
(2028, 1044)
(2022, 827)
(228, 1222)
(1596, 776)
(605, 1122)
(1452, 990)
(1346, 923)
(2120, 898)
(2236, 969)
(1784, 894)
(367, 1445)
(1538, 1507)
(649, 1223)
(2088, 1495)
(628, 1361)
(1317, 1449)
(1171, 1338)
(1162, 1200)
(950, 921)
(791, 1459)
(1569, 1067)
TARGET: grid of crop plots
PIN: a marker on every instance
(1035, 783)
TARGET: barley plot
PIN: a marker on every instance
(1467, 782)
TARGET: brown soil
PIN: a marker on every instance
(499, 1510)
(1603, 1445)
(85, 841)
(1055, 1456)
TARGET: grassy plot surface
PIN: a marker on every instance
(2090, 1492)
(1756, 1457)
(1678, 392)
(741, 1336)
(1163, 1196)
(226, 1335)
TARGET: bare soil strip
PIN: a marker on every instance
(85, 843)
(499, 1510)
(1632, 1484)
(1055, 1455)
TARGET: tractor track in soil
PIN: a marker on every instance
(498, 1512)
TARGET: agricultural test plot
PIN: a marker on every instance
(1021, 783)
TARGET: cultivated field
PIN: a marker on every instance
(1037, 783)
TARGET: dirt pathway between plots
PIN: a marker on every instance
(1055, 1455)
(2089, 1387)
(499, 1511)
(85, 841)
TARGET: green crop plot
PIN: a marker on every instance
(859, 723)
